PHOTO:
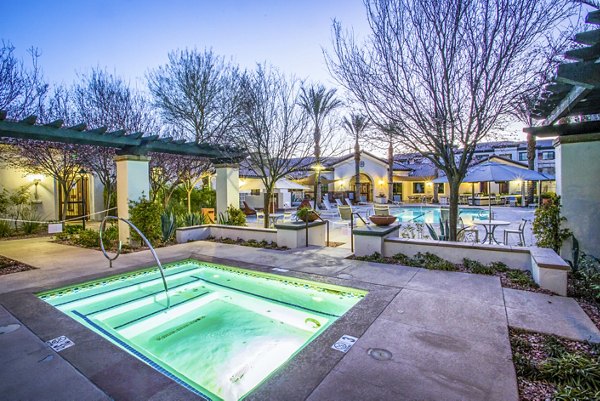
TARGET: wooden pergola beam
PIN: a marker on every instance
(589, 37)
(584, 73)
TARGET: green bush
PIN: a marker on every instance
(520, 277)
(31, 226)
(433, 262)
(145, 215)
(191, 219)
(233, 217)
(477, 267)
(5, 228)
(547, 225)
(568, 393)
(201, 198)
(88, 239)
(573, 370)
(72, 228)
(499, 267)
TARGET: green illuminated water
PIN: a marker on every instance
(227, 329)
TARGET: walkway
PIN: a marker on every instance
(447, 332)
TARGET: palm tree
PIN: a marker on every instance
(318, 103)
(356, 125)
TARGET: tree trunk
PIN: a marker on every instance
(267, 205)
(454, 184)
(531, 166)
(356, 172)
(317, 187)
(65, 191)
(390, 172)
(189, 200)
(435, 189)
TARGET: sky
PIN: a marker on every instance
(129, 37)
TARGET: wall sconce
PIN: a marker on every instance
(380, 182)
(36, 179)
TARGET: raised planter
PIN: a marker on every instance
(382, 220)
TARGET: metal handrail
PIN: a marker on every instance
(110, 260)
(320, 218)
(352, 228)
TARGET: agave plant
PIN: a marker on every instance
(444, 234)
(167, 225)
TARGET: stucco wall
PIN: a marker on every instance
(12, 179)
(577, 173)
(375, 169)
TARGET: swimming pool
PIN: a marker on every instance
(227, 328)
(431, 215)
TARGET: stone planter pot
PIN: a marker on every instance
(382, 220)
(311, 217)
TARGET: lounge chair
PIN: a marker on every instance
(339, 202)
(381, 210)
(328, 214)
(328, 205)
(345, 216)
(519, 231)
(248, 210)
(397, 200)
(348, 202)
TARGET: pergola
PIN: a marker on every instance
(569, 108)
(132, 160)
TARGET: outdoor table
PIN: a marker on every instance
(490, 226)
(273, 217)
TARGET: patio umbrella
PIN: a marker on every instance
(494, 171)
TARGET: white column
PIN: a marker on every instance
(227, 187)
(133, 182)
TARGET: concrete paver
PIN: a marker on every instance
(549, 314)
(447, 331)
(31, 370)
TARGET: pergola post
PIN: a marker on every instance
(133, 182)
(227, 187)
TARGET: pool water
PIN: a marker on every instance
(431, 215)
(226, 331)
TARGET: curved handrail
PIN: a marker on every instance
(162, 272)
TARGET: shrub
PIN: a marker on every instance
(5, 228)
(568, 393)
(31, 226)
(573, 370)
(433, 262)
(477, 267)
(110, 236)
(72, 228)
(145, 215)
(88, 239)
(520, 277)
(547, 225)
(233, 217)
(499, 267)
(191, 219)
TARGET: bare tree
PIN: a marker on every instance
(273, 128)
(197, 94)
(102, 99)
(22, 89)
(446, 72)
(356, 125)
(318, 103)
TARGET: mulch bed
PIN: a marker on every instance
(530, 349)
(8, 266)
(251, 243)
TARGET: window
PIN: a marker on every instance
(418, 187)
(362, 163)
(547, 155)
(522, 156)
(440, 187)
(255, 192)
(397, 188)
(547, 170)
(506, 156)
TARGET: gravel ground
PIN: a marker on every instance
(8, 266)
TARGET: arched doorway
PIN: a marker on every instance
(366, 187)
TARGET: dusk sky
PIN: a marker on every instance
(131, 37)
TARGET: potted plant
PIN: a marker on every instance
(546, 198)
(306, 214)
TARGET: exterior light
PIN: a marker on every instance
(318, 167)
(36, 179)
(380, 182)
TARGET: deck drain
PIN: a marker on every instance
(379, 354)
(9, 328)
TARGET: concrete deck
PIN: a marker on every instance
(447, 332)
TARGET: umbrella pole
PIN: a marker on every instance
(489, 203)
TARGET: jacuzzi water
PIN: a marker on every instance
(226, 331)
(431, 215)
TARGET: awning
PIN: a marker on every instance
(310, 180)
(248, 185)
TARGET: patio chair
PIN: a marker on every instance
(348, 202)
(260, 216)
(328, 205)
(248, 210)
(345, 216)
(468, 231)
(380, 210)
(339, 202)
(397, 200)
(329, 211)
(519, 231)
